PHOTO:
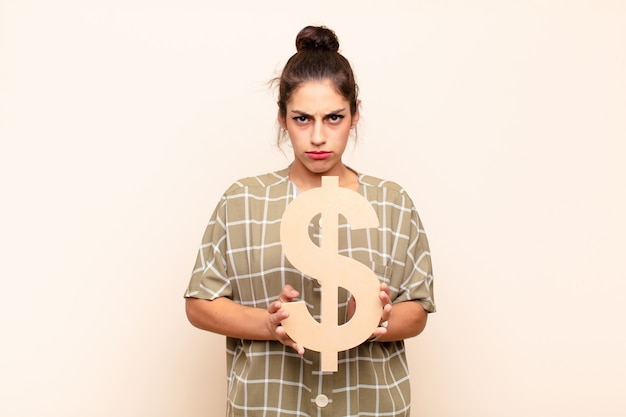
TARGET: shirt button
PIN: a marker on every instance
(321, 400)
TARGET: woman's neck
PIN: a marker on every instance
(306, 180)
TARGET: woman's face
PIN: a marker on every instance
(318, 121)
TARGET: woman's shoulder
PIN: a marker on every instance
(262, 181)
(371, 181)
(379, 189)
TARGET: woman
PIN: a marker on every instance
(241, 276)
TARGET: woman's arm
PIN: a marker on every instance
(226, 317)
(405, 319)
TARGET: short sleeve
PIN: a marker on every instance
(417, 284)
(209, 279)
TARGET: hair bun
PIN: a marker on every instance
(317, 37)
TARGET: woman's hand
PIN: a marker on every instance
(385, 301)
(276, 316)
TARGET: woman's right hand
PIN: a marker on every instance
(277, 315)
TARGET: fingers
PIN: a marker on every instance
(351, 307)
(287, 294)
(386, 315)
(378, 332)
(287, 341)
(277, 315)
(384, 294)
(385, 300)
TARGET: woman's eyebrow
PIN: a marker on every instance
(300, 112)
(303, 113)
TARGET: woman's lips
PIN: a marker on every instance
(319, 155)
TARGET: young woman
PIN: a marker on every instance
(241, 276)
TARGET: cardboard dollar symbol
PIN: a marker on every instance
(331, 269)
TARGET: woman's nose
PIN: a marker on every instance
(318, 137)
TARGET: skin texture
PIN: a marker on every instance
(319, 122)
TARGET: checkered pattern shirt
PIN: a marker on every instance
(241, 258)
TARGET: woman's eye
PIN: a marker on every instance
(300, 119)
(335, 118)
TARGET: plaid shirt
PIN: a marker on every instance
(241, 258)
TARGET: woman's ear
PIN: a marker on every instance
(356, 115)
(281, 120)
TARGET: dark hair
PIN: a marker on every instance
(317, 58)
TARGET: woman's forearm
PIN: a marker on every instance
(224, 316)
(408, 319)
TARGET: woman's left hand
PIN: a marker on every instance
(385, 301)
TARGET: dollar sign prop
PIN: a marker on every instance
(331, 269)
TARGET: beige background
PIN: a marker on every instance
(121, 123)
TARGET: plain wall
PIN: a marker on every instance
(122, 122)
